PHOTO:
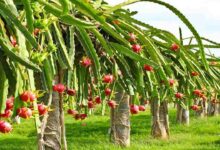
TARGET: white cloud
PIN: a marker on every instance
(114, 2)
(203, 14)
(208, 8)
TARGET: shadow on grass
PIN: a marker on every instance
(217, 142)
(94, 127)
(18, 144)
(210, 144)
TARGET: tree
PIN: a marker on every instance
(79, 44)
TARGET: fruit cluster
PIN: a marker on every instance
(23, 112)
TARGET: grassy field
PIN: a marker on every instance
(202, 134)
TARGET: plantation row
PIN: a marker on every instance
(72, 55)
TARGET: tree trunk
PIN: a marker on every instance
(50, 138)
(62, 120)
(218, 103)
(46, 99)
(160, 120)
(202, 112)
(62, 124)
(52, 134)
(120, 121)
(182, 116)
(213, 108)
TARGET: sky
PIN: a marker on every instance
(203, 14)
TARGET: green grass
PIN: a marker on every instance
(202, 134)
